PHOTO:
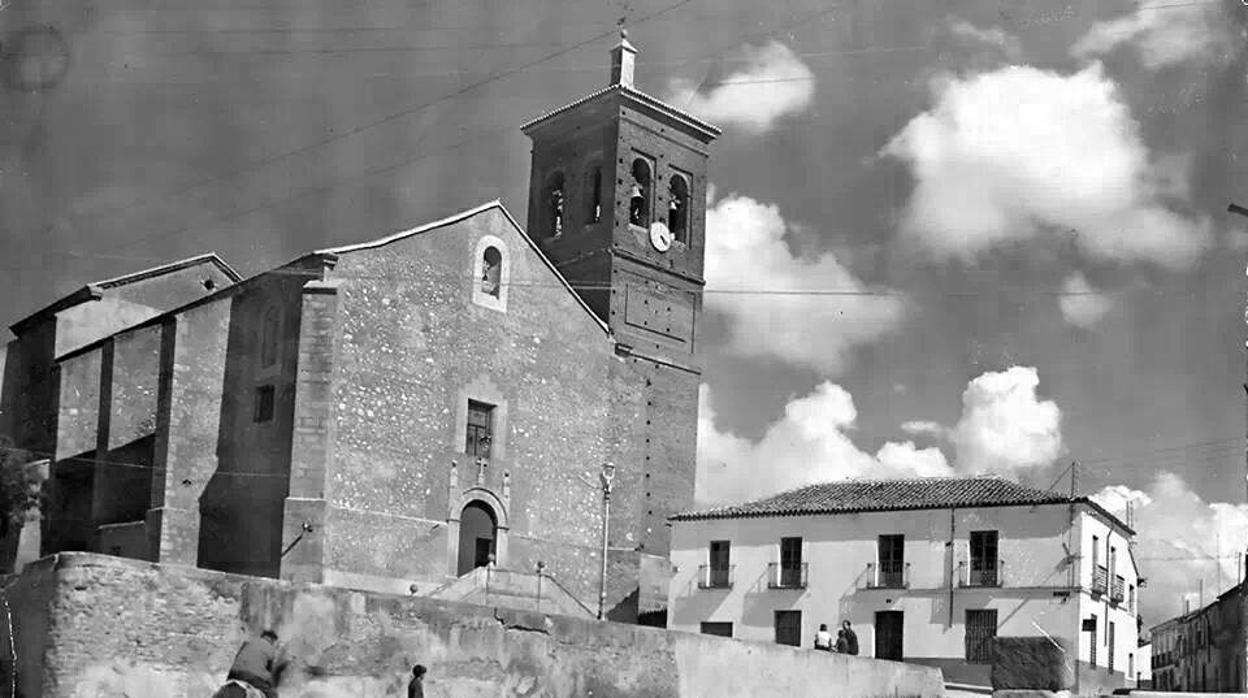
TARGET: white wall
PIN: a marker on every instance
(1144, 662)
(838, 549)
(1121, 615)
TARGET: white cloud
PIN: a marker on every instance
(773, 83)
(746, 253)
(1007, 43)
(1180, 537)
(1004, 427)
(809, 444)
(922, 428)
(1165, 33)
(1012, 154)
(1081, 304)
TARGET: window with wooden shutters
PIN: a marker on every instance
(720, 567)
(1109, 645)
(892, 553)
(1093, 639)
(981, 628)
(984, 559)
(790, 562)
(789, 628)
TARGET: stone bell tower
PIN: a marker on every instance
(617, 201)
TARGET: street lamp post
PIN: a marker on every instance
(606, 476)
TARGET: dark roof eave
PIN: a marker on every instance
(700, 128)
(82, 295)
(710, 515)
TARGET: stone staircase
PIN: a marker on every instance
(527, 591)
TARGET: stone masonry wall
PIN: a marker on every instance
(242, 509)
(100, 627)
(411, 348)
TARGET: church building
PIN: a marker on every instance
(397, 415)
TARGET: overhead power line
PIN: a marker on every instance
(355, 130)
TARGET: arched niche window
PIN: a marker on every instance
(270, 335)
(491, 271)
(593, 185)
(555, 197)
(491, 267)
(678, 207)
(639, 195)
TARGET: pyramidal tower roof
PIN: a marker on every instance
(621, 88)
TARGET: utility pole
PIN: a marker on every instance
(1240, 210)
(1076, 572)
(607, 476)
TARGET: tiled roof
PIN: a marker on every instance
(654, 102)
(886, 495)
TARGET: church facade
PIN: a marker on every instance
(394, 414)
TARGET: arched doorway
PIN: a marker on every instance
(478, 532)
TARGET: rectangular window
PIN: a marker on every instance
(1093, 639)
(984, 559)
(480, 429)
(790, 562)
(1096, 551)
(720, 567)
(719, 629)
(1109, 645)
(789, 628)
(262, 409)
(981, 628)
(892, 553)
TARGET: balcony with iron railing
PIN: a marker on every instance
(715, 577)
(1100, 580)
(981, 573)
(889, 574)
(786, 576)
(1116, 591)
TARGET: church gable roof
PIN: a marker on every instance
(96, 289)
(483, 209)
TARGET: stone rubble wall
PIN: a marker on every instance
(91, 625)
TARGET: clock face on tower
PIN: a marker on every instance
(660, 237)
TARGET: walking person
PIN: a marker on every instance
(823, 638)
(416, 687)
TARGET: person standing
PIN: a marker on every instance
(416, 688)
(851, 638)
(823, 638)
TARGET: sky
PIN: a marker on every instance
(942, 238)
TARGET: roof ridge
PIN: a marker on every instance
(885, 494)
